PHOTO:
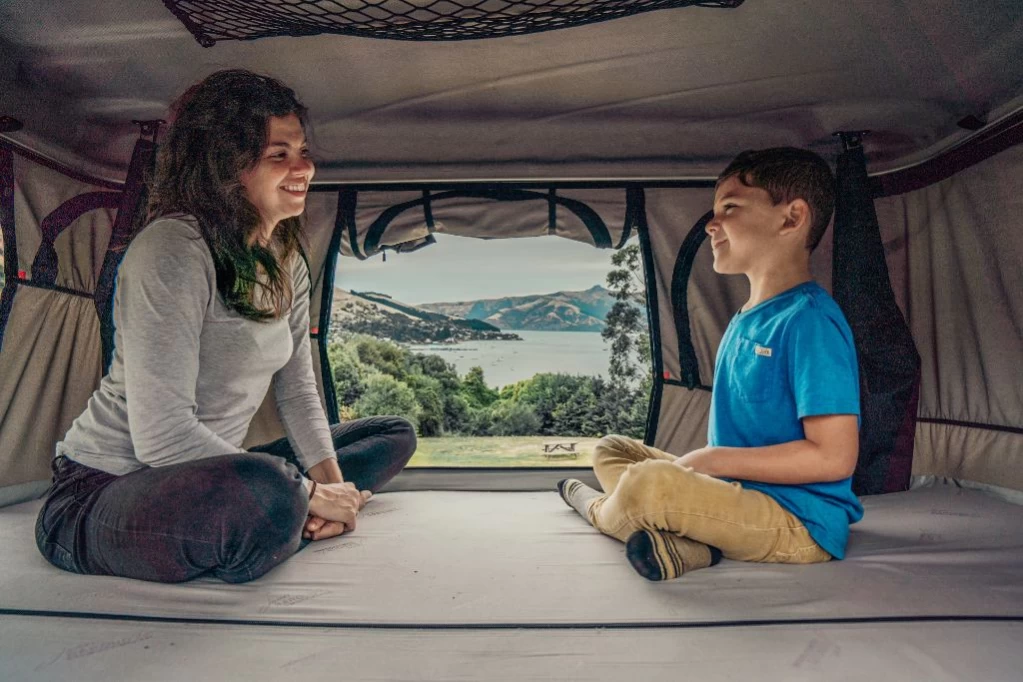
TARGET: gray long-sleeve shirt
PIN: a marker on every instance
(188, 373)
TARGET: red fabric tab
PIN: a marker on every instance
(21, 274)
(667, 374)
(314, 330)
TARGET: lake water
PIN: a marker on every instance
(505, 362)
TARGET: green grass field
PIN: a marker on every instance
(507, 451)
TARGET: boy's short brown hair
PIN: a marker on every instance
(788, 173)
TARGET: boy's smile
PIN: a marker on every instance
(741, 229)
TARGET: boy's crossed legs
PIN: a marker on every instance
(674, 519)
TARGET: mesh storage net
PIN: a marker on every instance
(213, 20)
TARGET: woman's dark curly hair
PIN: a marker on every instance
(219, 130)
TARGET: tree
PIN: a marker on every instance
(429, 394)
(546, 393)
(630, 342)
(475, 389)
(348, 372)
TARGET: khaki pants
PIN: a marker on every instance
(646, 491)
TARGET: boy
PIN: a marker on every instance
(774, 482)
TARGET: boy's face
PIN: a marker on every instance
(742, 230)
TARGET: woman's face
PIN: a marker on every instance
(278, 183)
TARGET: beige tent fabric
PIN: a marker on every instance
(484, 218)
(970, 454)
(51, 356)
(50, 365)
(670, 215)
(965, 309)
(683, 424)
(81, 247)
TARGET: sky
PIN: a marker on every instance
(466, 269)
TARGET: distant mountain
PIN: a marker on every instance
(381, 316)
(561, 311)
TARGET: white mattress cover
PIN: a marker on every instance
(525, 559)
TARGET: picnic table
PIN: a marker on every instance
(560, 449)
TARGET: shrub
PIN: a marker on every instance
(386, 395)
(513, 419)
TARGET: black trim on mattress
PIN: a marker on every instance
(972, 425)
(649, 625)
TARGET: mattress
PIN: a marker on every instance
(514, 585)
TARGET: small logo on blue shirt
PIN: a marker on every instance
(762, 350)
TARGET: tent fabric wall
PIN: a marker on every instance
(375, 220)
(51, 355)
(964, 270)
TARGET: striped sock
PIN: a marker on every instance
(659, 555)
(577, 495)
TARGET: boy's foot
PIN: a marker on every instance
(577, 495)
(657, 555)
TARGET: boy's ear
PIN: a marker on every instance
(797, 215)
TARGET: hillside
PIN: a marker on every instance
(381, 316)
(560, 311)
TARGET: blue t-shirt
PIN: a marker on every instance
(789, 357)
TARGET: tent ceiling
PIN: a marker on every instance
(670, 93)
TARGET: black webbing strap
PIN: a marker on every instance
(10, 239)
(653, 317)
(323, 324)
(888, 360)
(428, 211)
(347, 202)
(552, 211)
(635, 213)
(129, 215)
(44, 265)
(688, 365)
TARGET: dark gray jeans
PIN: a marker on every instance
(233, 516)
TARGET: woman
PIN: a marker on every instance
(211, 310)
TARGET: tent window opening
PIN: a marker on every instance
(503, 353)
